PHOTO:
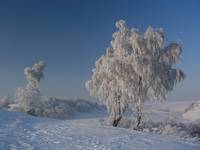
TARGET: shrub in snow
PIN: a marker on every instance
(135, 68)
(170, 127)
(28, 99)
(61, 108)
(52, 108)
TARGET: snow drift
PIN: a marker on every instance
(192, 113)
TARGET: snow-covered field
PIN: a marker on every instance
(19, 131)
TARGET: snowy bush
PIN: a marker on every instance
(52, 108)
(28, 99)
(191, 130)
(60, 108)
(136, 67)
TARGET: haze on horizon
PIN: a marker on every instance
(70, 35)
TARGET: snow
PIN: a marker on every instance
(83, 132)
(167, 109)
(181, 111)
(192, 112)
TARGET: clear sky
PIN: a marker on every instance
(69, 35)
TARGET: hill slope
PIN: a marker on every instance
(21, 131)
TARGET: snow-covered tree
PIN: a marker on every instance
(29, 97)
(136, 67)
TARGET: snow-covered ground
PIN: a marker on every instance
(192, 113)
(85, 132)
(167, 110)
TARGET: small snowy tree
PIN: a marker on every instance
(136, 67)
(29, 97)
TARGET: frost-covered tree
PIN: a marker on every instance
(136, 67)
(106, 84)
(29, 97)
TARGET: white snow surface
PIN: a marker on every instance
(19, 131)
(192, 113)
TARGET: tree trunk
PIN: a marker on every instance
(138, 105)
(139, 114)
(118, 114)
(116, 121)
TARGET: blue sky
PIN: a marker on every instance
(69, 35)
